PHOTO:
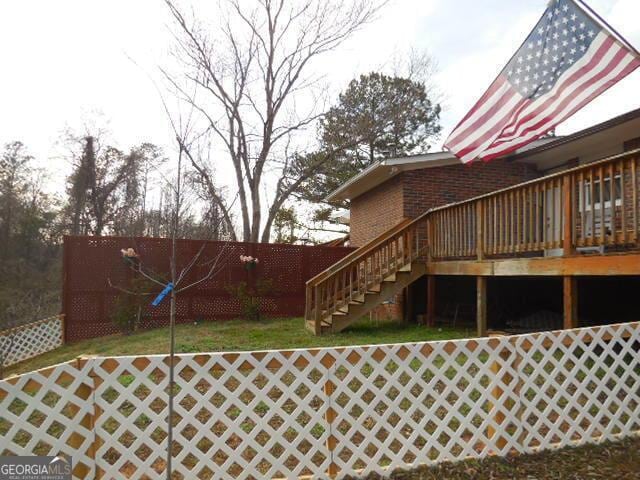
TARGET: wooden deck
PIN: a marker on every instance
(582, 221)
(590, 208)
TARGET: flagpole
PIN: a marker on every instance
(593, 14)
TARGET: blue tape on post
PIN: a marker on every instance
(162, 294)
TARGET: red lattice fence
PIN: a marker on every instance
(90, 262)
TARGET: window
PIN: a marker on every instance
(606, 195)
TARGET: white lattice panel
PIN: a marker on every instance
(246, 415)
(50, 412)
(579, 385)
(31, 340)
(406, 404)
(336, 411)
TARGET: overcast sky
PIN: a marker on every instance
(64, 60)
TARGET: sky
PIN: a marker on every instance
(69, 61)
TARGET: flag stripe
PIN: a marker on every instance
(472, 151)
(629, 64)
(498, 87)
(504, 97)
(492, 124)
(600, 46)
(566, 87)
(546, 115)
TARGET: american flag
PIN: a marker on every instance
(565, 62)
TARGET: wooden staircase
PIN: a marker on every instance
(365, 278)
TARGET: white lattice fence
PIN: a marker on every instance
(337, 411)
(579, 386)
(50, 412)
(32, 339)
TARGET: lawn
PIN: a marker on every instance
(235, 335)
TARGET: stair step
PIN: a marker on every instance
(364, 303)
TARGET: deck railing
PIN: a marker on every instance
(593, 205)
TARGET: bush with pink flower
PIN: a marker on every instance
(250, 292)
(248, 261)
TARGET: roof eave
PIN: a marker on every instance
(438, 159)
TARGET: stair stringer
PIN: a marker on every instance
(403, 278)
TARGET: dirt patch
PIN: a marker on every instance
(610, 460)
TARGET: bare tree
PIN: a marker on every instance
(179, 275)
(256, 93)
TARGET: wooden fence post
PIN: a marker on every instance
(66, 303)
(63, 327)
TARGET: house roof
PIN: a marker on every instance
(625, 118)
(547, 153)
(592, 143)
(383, 170)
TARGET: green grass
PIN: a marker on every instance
(237, 335)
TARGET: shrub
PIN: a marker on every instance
(129, 308)
(249, 296)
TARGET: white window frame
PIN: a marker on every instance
(585, 193)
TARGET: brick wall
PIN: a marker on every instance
(432, 187)
(411, 193)
(376, 211)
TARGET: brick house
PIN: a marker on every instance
(393, 190)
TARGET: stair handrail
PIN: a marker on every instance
(365, 249)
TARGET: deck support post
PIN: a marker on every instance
(481, 305)
(407, 304)
(430, 319)
(570, 301)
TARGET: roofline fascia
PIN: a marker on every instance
(393, 162)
